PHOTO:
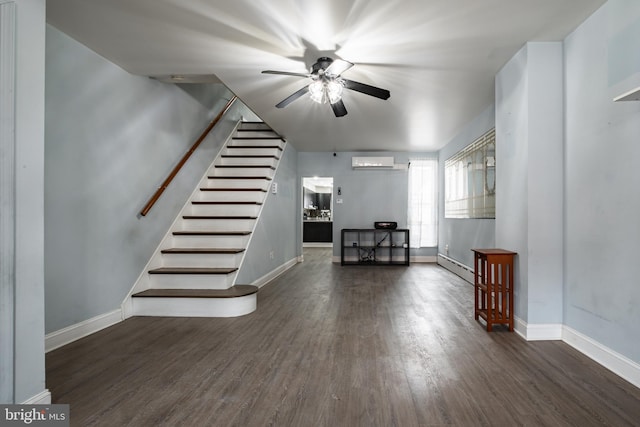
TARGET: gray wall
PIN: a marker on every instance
(602, 226)
(544, 178)
(22, 364)
(111, 139)
(8, 22)
(461, 235)
(277, 229)
(367, 195)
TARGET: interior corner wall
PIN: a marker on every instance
(274, 242)
(111, 138)
(602, 229)
(456, 237)
(367, 195)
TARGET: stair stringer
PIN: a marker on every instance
(257, 221)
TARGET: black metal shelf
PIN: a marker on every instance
(363, 246)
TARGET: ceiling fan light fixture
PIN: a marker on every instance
(334, 91)
(316, 90)
(323, 91)
(328, 85)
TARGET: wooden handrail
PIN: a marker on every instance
(184, 159)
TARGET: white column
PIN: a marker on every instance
(7, 197)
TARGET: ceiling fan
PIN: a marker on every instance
(327, 85)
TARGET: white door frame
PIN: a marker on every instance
(312, 244)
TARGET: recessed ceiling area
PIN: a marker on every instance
(438, 58)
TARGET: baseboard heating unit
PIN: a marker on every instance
(456, 267)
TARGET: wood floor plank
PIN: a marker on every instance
(336, 346)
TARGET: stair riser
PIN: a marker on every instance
(252, 152)
(213, 210)
(255, 125)
(246, 161)
(194, 307)
(263, 184)
(242, 172)
(256, 133)
(231, 196)
(201, 260)
(209, 241)
(256, 142)
(218, 224)
(191, 281)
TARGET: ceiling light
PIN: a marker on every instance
(323, 90)
(334, 90)
(316, 89)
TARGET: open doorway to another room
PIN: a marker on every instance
(317, 212)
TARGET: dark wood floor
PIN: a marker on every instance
(336, 346)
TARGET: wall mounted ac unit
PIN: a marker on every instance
(372, 162)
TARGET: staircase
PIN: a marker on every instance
(193, 273)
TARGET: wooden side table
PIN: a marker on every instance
(493, 285)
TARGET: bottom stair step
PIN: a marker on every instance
(232, 292)
(237, 300)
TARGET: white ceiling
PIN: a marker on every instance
(437, 57)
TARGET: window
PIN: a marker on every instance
(423, 205)
(470, 180)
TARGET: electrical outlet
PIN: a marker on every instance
(271, 255)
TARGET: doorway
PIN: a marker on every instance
(317, 211)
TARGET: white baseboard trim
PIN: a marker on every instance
(538, 332)
(615, 362)
(424, 259)
(42, 398)
(520, 327)
(72, 333)
(456, 267)
(317, 245)
(416, 259)
(264, 280)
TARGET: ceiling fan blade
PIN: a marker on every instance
(339, 109)
(285, 73)
(295, 95)
(366, 89)
(337, 67)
